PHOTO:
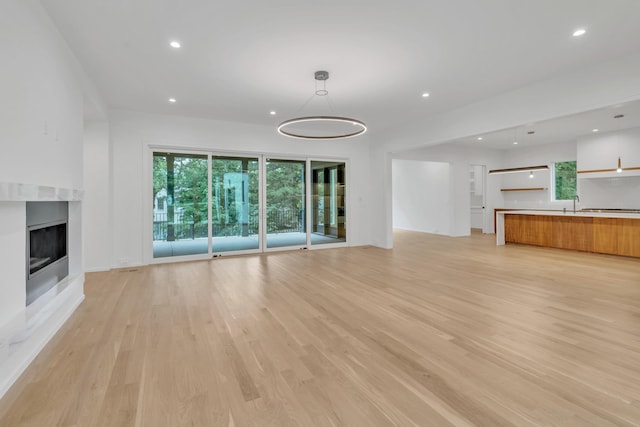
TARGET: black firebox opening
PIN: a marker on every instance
(47, 244)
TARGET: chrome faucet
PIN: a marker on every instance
(576, 198)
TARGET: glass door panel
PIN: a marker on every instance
(285, 203)
(235, 204)
(328, 211)
(180, 205)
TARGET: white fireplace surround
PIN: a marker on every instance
(25, 332)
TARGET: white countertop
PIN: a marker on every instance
(571, 213)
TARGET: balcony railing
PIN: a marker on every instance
(184, 227)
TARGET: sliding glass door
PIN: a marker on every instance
(206, 204)
(285, 202)
(235, 203)
(180, 204)
(328, 211)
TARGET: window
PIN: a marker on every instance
(564, 177)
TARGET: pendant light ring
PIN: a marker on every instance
(321, 126)
(359, 127)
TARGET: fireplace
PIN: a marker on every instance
(47, 260)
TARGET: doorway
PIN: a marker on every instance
(477, 195)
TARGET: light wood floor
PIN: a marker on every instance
(439, 331)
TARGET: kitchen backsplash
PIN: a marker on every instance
(611, 193)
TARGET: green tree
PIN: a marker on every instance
(191, 188)
(285, 192)
(565, 180)
(159, 174)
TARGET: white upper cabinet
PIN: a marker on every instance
(600, 153)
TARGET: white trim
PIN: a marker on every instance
(19, 192)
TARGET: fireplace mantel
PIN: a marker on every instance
(18, 192)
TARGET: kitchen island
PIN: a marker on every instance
(616, 233)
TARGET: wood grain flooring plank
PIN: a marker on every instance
(436, 332)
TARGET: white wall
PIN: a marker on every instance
(533, 156)
(380, 197)
(131, 134)
(460, 202)
(97, 199)
(421, 196)
(460, 159)
(42, 102)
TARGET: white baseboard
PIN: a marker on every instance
(97, 269)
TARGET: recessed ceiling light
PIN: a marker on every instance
(479, 138)
(175, 44)
(172, 100)
(579, 32)
(515, 142)
(273, 113)
(425, 95)
(595, 130)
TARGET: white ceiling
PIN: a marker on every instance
(561, 129)
(241, 59)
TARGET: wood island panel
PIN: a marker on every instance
(605, 235)
(528, 229)
(572, 233)
(629, 237)
(616, 236)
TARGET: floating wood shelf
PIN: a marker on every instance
(524, 189)
(607, 170)
(522, 169)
